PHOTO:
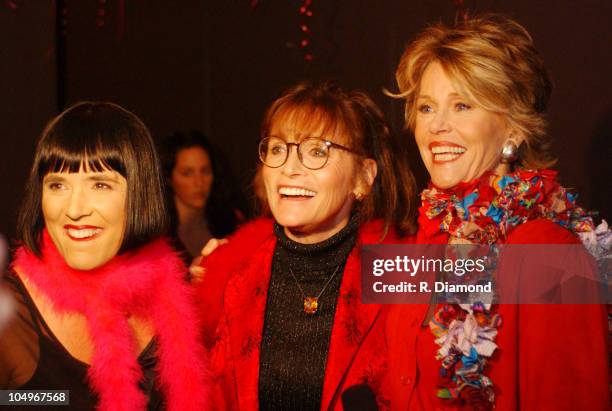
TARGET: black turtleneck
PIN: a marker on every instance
(294, 344)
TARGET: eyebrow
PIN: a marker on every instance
(103, 177)
(58, 177)
(428, 97)
(298, 139)
(53, 177)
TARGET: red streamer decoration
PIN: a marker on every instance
(64, 19)
(305, 43)
(121, 19)
(462, 13)
(100, 21)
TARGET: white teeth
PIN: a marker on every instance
(446, 157)
(294, 191)
(447, 149)
(83, 233)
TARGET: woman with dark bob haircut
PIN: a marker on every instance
(293, 333)
(102, 307)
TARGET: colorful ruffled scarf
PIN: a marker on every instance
(486, 211)
(148, 283)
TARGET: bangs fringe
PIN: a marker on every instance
(71, 158)
(311, 120)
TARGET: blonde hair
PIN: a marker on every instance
(492, 57)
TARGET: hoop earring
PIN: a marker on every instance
(509, 152)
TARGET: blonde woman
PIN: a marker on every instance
(476, 94)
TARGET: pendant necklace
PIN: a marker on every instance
(311, 304)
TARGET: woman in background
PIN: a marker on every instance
(202, 195)
(475, 98)
(103, 310)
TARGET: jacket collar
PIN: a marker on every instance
(245, 304)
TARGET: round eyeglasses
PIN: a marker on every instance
(313, 152)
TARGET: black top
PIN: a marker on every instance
(31, 358)
(295, 344)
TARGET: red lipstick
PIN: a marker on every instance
(445, 151)
(93, 233)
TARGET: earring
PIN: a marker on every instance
(509, 152)
(359, 196)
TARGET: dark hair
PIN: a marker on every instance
(223, 201)
(392, 197)
(102, 136)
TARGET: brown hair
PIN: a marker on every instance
(102, 136)
(392, 197)
(494, 59)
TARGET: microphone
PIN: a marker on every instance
(359, 397)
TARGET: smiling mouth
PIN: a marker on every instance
(446, 152)
(296, 193)
(82, 233)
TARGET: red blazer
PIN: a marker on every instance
(357, 352)
(549, 357)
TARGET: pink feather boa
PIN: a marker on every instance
(148, 283)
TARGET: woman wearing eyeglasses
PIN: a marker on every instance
(293, 333)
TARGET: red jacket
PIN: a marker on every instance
(549, 357)
(357, 352)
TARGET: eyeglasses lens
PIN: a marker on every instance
(272, 151)
(313, 152)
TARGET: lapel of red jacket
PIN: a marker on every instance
(351, 324)
(245, 301)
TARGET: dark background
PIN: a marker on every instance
(216, 65)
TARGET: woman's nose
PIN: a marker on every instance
(79, 204)
(198, 180)
(293, 165)
(440, 122)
